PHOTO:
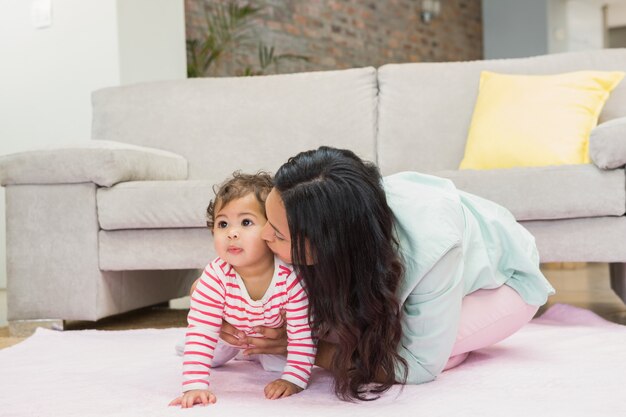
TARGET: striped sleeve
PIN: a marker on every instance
(204, 323)
(300, 346)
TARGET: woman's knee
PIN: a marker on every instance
(489, 316)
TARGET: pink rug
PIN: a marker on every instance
(569, 362)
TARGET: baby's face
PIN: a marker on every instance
(237, 232)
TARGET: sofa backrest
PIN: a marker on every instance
(425, 109)
(247, 123)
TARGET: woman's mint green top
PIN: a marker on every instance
(453, 243)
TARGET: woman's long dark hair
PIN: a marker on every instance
(337, 209)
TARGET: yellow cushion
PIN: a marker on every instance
(535, 120)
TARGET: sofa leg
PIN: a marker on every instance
(618, 279)
(25, 328)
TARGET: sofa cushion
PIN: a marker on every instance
(596, 239)
(248, 123)
(538, 193)
(131, 250)
(607, 144)
(425, 109)
(154, 204)
(553, 192)
(536, 120)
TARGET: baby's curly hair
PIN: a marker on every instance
(239, 185)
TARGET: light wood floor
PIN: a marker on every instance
(581, 285)
(587, 286)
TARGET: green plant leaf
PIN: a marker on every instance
(230, 28)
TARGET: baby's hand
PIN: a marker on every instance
(196, 396)
(280, 389)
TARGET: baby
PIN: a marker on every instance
(247, 286)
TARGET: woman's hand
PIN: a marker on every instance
(274, 340)
(195, 396)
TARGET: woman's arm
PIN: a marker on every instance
(274, 342)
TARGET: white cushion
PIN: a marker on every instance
(154, 204)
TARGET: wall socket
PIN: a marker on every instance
(41, 13)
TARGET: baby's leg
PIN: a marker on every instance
(272, 363)
(223, 353)
(487, 317)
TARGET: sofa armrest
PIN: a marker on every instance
(104, 163)
(607, 144)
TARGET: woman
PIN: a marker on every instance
(405, 275)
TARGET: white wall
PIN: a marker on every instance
(47, 75)
(575, 25)
(616, 16)
(155, 49)
(585, 25)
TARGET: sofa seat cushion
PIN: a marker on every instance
(154, 204)
(552, 192)
(597, 239)
(149, 249)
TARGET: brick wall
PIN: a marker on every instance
(336, 34)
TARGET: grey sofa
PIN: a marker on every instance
(99, 229)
